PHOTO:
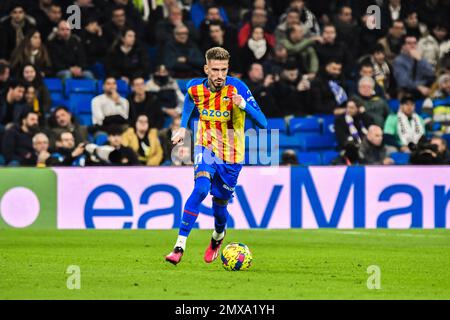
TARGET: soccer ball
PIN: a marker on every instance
(236, 256)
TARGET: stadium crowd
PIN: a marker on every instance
(386, 89)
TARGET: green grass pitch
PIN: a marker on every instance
(287, 264)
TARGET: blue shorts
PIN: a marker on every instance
(223, 175)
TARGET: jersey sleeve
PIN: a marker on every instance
(188, 107)
(251, 108)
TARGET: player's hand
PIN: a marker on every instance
(238, 101)
(178, 136)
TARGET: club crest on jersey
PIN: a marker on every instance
(226, 99)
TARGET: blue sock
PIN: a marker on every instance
(191, 208)
(220, 215)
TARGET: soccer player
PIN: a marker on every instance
(222, 102)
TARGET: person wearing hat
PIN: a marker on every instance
(406, 127)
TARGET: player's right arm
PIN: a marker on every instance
(188, 107)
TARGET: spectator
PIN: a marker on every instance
(258, 19)
(289, 158)
(212, 16)
(219, 36)
(181, 56)
(5, 74)
(112, 29)
(365, 70)
(435, 45)
(438, 105)
(352, 126)
(329, 48)
(12, 105)
(375, 106)
(170, 97)
(143, 102)
(290, 92)
(406, 127)
(443, 154)
(120, 155)
(382, 71)
(392, 43)
(274, 65)
(348, 30)
(62, 120)
(256, 50)
(144, 141)
(109, 108)
(292, 17)
(48, 15)
(17, 140)
(413, 73)
(199, 11)
(165, 136)
(67, 153)
(307, 18)
(372, 150)
(260, 86)
(40, 147)
(94, 42)
(165, 28)
(328, 90)
(31, 51)
(414, 26)
(302, 50)
(65, 65)
(32, 78)
(133, 16)
(14, 28)
(127, 59)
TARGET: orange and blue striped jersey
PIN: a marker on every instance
(221, 123)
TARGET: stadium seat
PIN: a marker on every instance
(329, 156)
(80, 86)
(400, 157)
(394, 104)
(308, 124)
(85, 119)
(289, 141)
(248, 124)
(309, 158)
(122, 87)
(317, 142)
(327, 121)
(80, 103)
(276, 123)
(55, 87)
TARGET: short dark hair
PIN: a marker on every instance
(58, 108)
(25, 114)
(13, 84)
(333, 60)
(407, 98)
(217, 23)
(59, 137)
(114, 130)
(3, 66)
(408, 35)
(365, 64)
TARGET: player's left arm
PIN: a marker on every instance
(245, 101)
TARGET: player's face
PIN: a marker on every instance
(217, 71)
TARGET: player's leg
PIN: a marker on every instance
(222, 192)
(220, 220)
(203, 174)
